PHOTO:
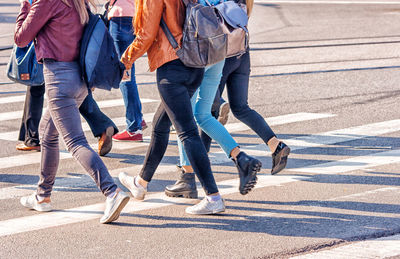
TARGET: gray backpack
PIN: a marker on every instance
(210, 33)
(204, 42)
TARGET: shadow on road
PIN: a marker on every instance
(286, 222)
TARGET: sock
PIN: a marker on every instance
(136, 181)
(111, 195)
(39, 198)
(213, 197)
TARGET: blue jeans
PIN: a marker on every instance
(65, 92)
(176, 84)
(202, 101)
(122, 32)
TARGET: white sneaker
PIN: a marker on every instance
(207, 207)
(33, 203)
(114, 206)
(138, 191)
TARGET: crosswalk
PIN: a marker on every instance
(373, 157)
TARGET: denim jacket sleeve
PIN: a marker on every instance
(145, 36)
(31, 19)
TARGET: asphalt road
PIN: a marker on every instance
(326, 76)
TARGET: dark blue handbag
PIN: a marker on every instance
(23, 67)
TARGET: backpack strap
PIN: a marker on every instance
(169, 35)
(110, 6)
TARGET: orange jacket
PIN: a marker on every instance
(151, 37)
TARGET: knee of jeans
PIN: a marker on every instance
(49, 141)
(188, 134)
(239, 111)
(76, 142)
(201, 117)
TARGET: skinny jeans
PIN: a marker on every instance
(121, 30)
(202, 101)
(176, 85)
(65, 91)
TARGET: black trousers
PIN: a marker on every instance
(29, 130)
(235, 76)
(176, 84)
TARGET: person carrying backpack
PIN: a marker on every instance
(49, 23)
(202, 101)
(176, 83)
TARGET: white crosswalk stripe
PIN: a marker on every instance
(384, 247)
(5, 116)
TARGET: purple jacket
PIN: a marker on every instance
(55, 26)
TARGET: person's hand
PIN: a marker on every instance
(127, 75)
(22, 1)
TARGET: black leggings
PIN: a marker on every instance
(176, 84)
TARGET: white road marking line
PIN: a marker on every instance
(119, 122)
(320, 139)
(239, 126)
(4, 116)
(376, 248)
(354, 163)
(231, 127)
(375, 192)
(326, 2)
(85, 213)
(282, 119)
(78, 181)
(319, 206)
(12, 99)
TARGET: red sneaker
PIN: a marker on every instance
(128, 136)
(144, 125)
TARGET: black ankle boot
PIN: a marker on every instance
(185, 186)
(248, 167)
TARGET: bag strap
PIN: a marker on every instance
(108, 8)
(111, 6)
(169, 35)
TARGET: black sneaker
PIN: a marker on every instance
(279, 158)
(185, 187)
(248, 167)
